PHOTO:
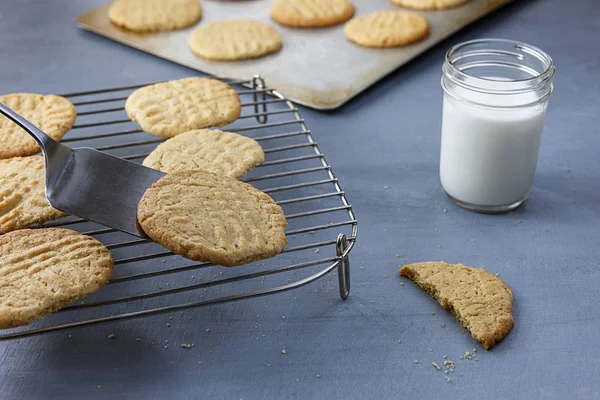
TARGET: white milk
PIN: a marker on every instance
(489, 155)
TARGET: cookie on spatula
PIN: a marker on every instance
(207, 217)
(480, 300)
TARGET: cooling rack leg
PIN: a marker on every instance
(259, 83)
(344, 267)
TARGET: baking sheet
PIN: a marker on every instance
(318, 68)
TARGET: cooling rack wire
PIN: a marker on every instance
(150, 280)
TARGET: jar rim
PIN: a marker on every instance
(510, 86)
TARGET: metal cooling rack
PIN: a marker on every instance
(150, 280)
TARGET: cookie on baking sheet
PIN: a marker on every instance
(480, 300)
(386, 29)
(154, 15)
(234, 40)
(42, 270)
(22, 194)
(169, 108)
(311, 13)
(54, 115)
(430, 4)
(207, 217)
(222, 153)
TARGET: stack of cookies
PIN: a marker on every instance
(230, 40)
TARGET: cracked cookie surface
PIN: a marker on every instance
(154, 15)
(480, 300)
(42, 270)
(234, 40)
(392, 28)
(206, 217)
(167, 109)
(219, 152)
(54, 115)
(22, 194)
(311, 13)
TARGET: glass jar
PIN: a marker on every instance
(495, 97)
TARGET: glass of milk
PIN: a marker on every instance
(495, 97)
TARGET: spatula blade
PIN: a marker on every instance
(101, 188)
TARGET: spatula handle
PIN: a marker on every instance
(46, 142)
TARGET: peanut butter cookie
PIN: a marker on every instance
(480, 300)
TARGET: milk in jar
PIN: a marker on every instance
(493, 117)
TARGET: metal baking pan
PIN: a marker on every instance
(318, 68)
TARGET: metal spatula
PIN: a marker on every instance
(91, 184)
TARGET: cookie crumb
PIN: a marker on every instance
(187, 345)
(111, 336)
(518, 221)
(443, 325)
(435, 365)
(416, 361)
(284, 351)
(99, 386)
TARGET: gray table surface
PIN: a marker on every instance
(388, 136)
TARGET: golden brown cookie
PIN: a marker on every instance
(54, 115)
(206, 217)
(386, 29)
(22, 194)
(234, 40)
(311, 13)
(169, 108)
(222, 153)
(154, 15)
(480, 301)
(42, 270)
(430, 4)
